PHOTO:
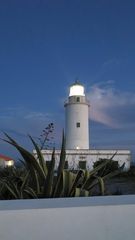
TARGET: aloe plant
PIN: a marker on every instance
(38, 180)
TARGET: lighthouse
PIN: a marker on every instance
(78, 153)
(77, 118)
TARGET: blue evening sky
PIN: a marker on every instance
(45, 45)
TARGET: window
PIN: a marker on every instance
(78, 124)
(78, 99)
(82, 157)
(82, 164)
(48, 164)
(66, 165)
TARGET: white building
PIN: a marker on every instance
(85, 159)
(78, 153)
(6, 161)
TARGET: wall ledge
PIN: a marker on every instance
(66, 202)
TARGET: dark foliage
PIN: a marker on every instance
(108, 168)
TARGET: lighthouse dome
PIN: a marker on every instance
(76, 89)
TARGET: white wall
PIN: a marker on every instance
(77, 137)
(90, 156)
(95, 218)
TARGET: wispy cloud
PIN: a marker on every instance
(18, 123)
(23, 121)
(112, 107)
(105, 67)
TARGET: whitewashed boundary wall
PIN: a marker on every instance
(96, 218)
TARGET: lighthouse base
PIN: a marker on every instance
(85, 159)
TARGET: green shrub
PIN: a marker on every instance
(108, 168)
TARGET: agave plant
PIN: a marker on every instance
(37, 180)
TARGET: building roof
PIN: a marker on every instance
(5, 158)
(77, 82)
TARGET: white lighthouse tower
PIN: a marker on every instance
(78, 154)
(77, 118)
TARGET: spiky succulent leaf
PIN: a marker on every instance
(40, 156)
(11, 187)
(101, 185)
(114, 173)
(68, 180)
(50, 177)
(77, 180)
(59, 181)
(27, 156)
(31, 193)
(81, 193)
(92, 174)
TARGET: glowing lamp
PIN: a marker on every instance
(76, 90)
(9, 163)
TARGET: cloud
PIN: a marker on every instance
(106, 66)
(21, 122)
(18, 123)
(112, 107)
(110, 62)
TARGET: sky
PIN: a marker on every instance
(45, 45)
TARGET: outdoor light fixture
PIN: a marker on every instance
(76, 90)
